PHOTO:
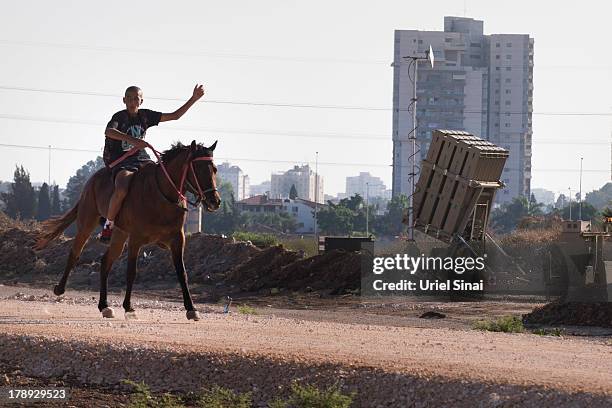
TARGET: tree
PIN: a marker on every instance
(600, 198)
(44, 203)
(293, 192)
(335, 219)
(56, 207)
(391, 222)
(506, 217)
(20, 201)
(77, 182)
(588, 211)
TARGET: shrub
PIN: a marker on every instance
(142, 398)
(258, 239)
(246, 309)
(219, 397)
(506, 324)
(310, 396)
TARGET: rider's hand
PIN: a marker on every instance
(198, 92)
(139, 143)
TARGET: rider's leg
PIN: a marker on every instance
(122, 184)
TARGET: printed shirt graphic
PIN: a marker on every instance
(135, 126)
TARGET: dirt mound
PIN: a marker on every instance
(334, 271)
(572, 314)
(211, 260)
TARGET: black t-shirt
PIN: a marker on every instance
(135, 126)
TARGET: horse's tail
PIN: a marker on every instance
(55, 226)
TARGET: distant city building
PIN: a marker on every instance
(303, 178)
(234, 176)
(365, 184)
(482, 84)
(260, 204)
(543, 196)
(301, 210)
(259, 189)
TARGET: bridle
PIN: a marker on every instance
(187, 166)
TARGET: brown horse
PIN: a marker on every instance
(153, 212)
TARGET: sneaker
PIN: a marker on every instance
(106, 234)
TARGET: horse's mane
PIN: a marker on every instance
(177, 148)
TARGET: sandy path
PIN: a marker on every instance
(569, 364)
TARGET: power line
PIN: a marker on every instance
(248, 159)
(288, 133)
(217, 54)
(294, 105)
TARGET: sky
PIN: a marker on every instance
(283, 79)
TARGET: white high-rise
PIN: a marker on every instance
(482, 84)
(303, 178)
(365, 184)
(234, 175)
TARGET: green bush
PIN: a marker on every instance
(506, 324)
(142, 398)
(310, 396)
(307, 244)
(555, 331)
(258, 239)
(246, 309)
(219, 397)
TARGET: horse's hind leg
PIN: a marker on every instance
(134, 246)
(86, 222)
(112, 253)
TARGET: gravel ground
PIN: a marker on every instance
(386, 365)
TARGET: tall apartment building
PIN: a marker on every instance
(482, 84)
(365, 184)
(234, 176)
(304, 180)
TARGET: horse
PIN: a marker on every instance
(153, 212)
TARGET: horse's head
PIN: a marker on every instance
(202, 177)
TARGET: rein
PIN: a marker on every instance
(186, 167)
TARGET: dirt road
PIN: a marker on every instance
(387, 364)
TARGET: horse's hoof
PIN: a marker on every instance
(131, 315)
(108, 313)
(193, 315)
(58, 291)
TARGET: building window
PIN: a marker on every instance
(508, 68)
(508, 56)
(497, 57)
(448, 40)
(507, 103)
(507, 91)
(507, 125)
(497, 125)
(497, 68)
(497, 45)
(508, 80)
(420, 41)
(508, 44)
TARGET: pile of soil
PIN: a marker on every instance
(335, 272)
(572, 314)
(211, 260)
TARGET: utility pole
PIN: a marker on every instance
(316, 232)
(367, 209)
(414, 60)
(580, 193)
(49, 176)
(570, 203)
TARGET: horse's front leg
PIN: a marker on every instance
(177, 246)
(134, 246)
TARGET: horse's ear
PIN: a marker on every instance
(193, 146)
(212, 148)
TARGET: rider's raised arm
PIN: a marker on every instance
(198, 92)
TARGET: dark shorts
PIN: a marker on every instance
(132, 163)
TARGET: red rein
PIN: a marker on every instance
(187, 166)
